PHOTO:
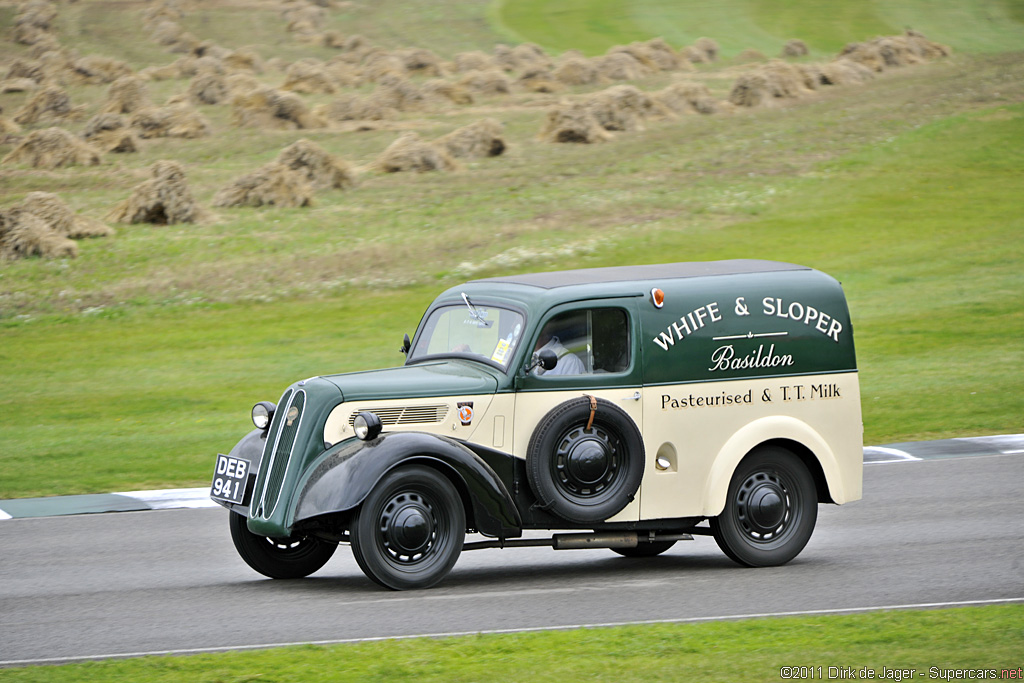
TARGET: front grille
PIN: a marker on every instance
(279, 465)
(405, 415)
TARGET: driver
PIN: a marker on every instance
(568, 362)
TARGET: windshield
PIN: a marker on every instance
(472, 330)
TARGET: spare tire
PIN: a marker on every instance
(585, 474)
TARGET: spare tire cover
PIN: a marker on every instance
(581, 474)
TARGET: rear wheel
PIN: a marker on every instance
(279, 558)
(770, 510)
(410, 529)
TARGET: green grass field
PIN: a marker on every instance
(130, 366)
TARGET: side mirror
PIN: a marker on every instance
(406, 345)
(545, 358)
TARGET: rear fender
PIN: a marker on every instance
(343, 476)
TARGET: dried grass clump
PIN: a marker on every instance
(166, 32)
(272, 184)
(421, 61)
(925, 48)
(844, 71)
(750, 90)
(655, 55)
(410, 153)
(270, 108)
(398, 93)
(440, 89)
(320, 168)
(576, 70)
(475, 60)
(168, 72)
(309, 76)
(95, 69)
(683, 97)
(23, 234)
(240, 83)
(538, 79)
(794, 48)
(244, 59)
(573, 122)
(305, 19)
(61, 218)
(488, 82)
(33, 22)
(785, 80)
(525, 56)
(164, 199)
(208, 88)
(51, 103)
(353, 107)
(750, 56)
(708, 47)
(126, 95)
(621, 107)
(380, 66)
(53, 148)
(7, 128)
(485, 138)
(18, 85)
(110, 133)
(173, 121)
(26, 68)
(621, 66)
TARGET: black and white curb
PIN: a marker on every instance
(134, 501)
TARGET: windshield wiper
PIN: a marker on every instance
(474, 313)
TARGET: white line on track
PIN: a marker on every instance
(894, 455)
(533, 629)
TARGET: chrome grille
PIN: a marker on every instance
(282, 454)
(405, 415)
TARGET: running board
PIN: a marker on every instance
(578, 541)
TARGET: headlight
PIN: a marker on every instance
(262, 414)
(367, 426)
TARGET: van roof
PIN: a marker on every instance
(659, 271)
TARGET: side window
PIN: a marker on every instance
(586, 341)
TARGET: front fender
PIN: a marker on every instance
(343, 476)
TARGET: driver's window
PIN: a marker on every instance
(586, 341)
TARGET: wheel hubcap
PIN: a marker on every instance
(764, 506)
(408, 527)
(586, 462)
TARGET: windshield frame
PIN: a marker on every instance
(484, 302)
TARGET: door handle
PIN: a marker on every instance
(634, 397)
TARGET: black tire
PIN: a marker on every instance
(585, 475)
(279, 558)
(409, 531)
(645, 549)
(770, 510)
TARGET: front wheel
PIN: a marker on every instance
(770, 510)
(279, 558)
(410, 529)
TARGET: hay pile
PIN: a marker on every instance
(465, 62)
(52, 103)
(410, 153)
(34, 22)
(621, 108)
(522, 57)
(353, 107)
(422, 62)
(18, 85)
(272, 184)
(110, 133)
(842, 72)
(309, 76)
(894, 51)
(683, 97)
(538, 79)
(320, 168)
(655, 55)
(23, 234)
(94, 69)
(438, 89)
(208, 87)
(379, 66)
(61, 218)
(485, 138)
(53, 148)
(575, 69)
(7, 128)
(794, 48)
(398, 93)
(26, 68)
(486, 82)
(776, 80)
(266, 107)
(621, 66)
(244, 59)
(179, 120)
(164, 199)
(573, 122)
(126, 95)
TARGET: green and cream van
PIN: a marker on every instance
(627, 408)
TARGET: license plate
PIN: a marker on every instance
(229, 479)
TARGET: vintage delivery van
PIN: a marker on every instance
(628, 407)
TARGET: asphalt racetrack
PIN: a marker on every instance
(944, 530)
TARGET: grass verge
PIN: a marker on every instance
(928, 643)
